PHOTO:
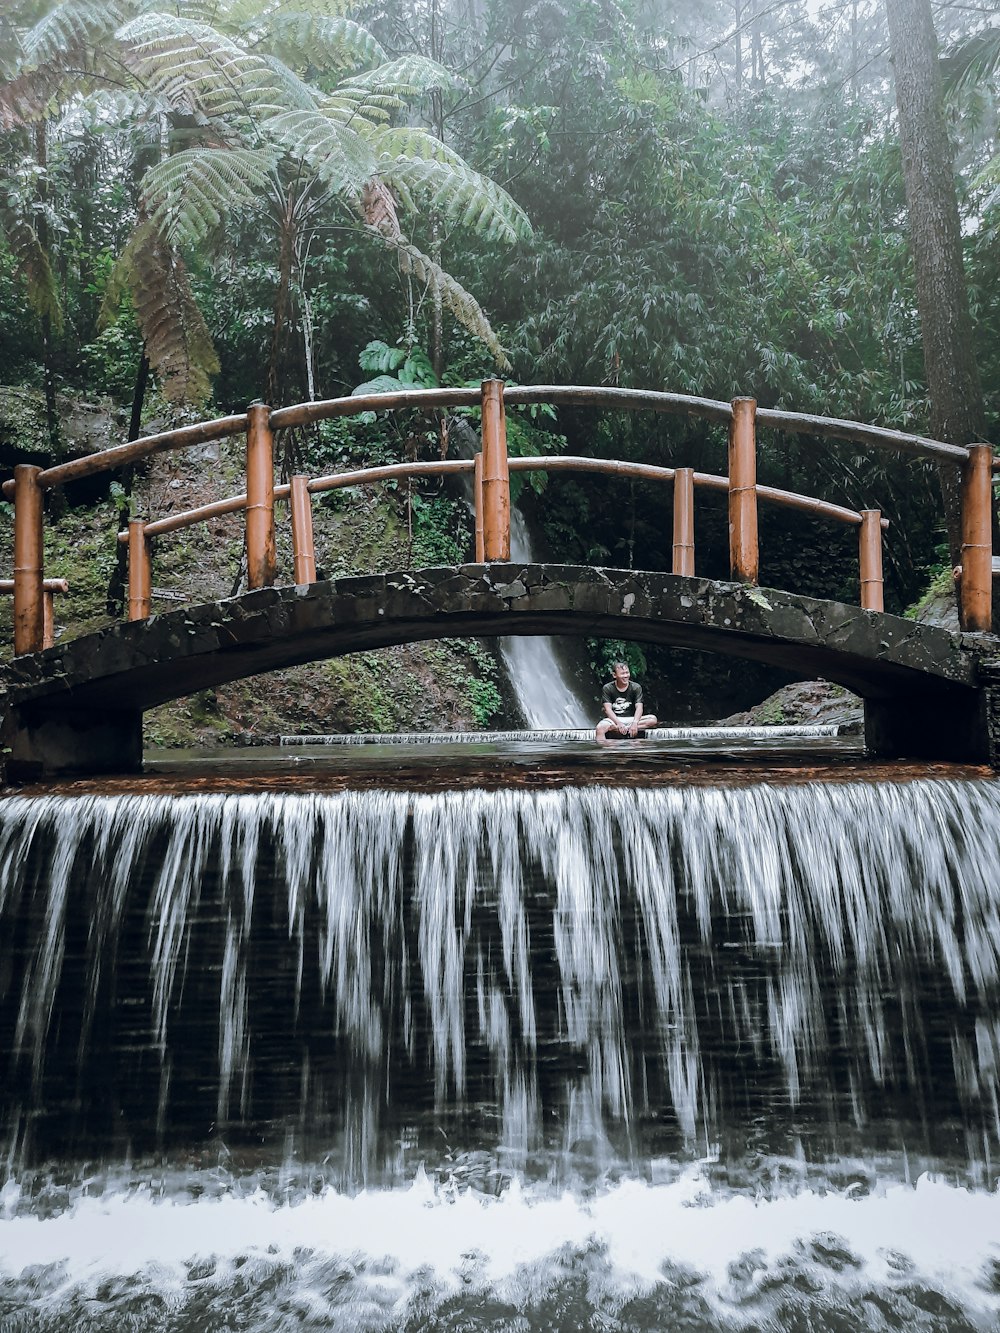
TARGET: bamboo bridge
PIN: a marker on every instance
(76, 707)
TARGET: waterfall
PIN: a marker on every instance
(694, 1057)
(589, 963)
(545, 695)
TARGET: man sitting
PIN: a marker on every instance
(622, 702)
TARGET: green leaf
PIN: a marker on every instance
(407, 76)
(380, 356)
(190, 194)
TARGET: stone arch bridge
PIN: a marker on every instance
(78, 707)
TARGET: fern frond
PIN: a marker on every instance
(198, 70)
(104, 109)
(415, 142)
(11, 50)
(247, 13)
(188, 195)
(296, 94)
(461, 195)
(379, 207)
(973, 61)
(33, 262)
(33, 95)
(337, 153)
(177, 340)
(462, 304)
(74, 23)
(350, 105)
(321, 40)
(407, 76)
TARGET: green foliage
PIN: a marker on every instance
(485, 698)
(441, 533)
(413, 369)
(603, 653)
(108, 364)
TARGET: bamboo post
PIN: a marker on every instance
(303, 549)
(140, 571)
(261, 551)
(496, 478)
(29, 609)
(477, 498)
(744, 557)
(870, 559)
(684, 521)
(976, 600)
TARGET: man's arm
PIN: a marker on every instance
(633, 726)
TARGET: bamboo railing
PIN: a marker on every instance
(491, 471)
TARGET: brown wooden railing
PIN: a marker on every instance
(491, 488)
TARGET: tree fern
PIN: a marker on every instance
(198, 70)
(462, 304)
(34, 94)
(321, 41)
(295, 93)
(407, 76)
(348, 105)
(72, 24)
(337, 153)
(190, 194)
(460, 195)
(177, 340)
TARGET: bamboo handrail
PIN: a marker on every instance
(187, 518)
(122, 454)
(650, 472)
(528, 463)
(301, 414)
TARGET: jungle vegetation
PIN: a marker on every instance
(207, 202)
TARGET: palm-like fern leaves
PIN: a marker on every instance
(22, 239)
(198, 70)
(189, 195)
(462, 304)
(413, 161)
(320, 41)
(177, 339)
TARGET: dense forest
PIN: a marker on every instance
(209, 202)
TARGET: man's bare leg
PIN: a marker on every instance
(624, 728)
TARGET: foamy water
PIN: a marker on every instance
(399, 1245)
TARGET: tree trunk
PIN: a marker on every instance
(283, 313)
(956, 400)
(48, 347)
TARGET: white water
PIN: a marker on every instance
(546, 697)
(815, 731)
(383, 1258)
(568, 966)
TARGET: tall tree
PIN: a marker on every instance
(956, 398)
(283, 113)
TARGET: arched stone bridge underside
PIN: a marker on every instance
(78, 707)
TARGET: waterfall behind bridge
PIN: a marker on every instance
(651, 1032)
(542, 686)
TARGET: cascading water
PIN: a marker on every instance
(543, 691)
(595, 1057)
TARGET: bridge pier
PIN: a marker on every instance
(43, 742)
(946, 726)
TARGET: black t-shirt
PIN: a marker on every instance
(623, 702)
